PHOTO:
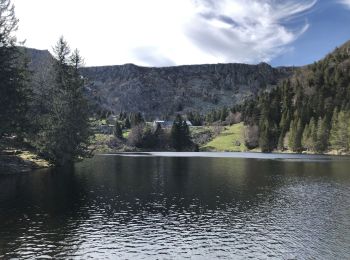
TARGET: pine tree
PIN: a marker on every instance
(295, 135)
(223, 114)
(127, 123)
(118, 131)
(292, 135)
(322, 135)
(13, 74)
(284, 126)
(176, 133)
(313, 134)
(180, 134)
(334, 133)
(264, 137)
(340, 134)
(306, 136)
(136, 119)
(65, 126)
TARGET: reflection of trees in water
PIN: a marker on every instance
(156, 184)
(106, 189)
(42, 206)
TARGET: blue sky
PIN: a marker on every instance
(177, 32)
(329, 28)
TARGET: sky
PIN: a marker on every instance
(177, 32)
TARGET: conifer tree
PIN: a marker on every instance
(136, 119)
(65, 128)
(313, 134)
(305, 141)
(264, 137)
(180, 134)
(340, 134)
(13, 74)
(223, 114)
(295, 135)
(118, 131)
(334, 133)
(127, 123)
(322, 135)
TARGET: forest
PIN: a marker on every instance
(308, 112)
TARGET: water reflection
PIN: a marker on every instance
(164, 207)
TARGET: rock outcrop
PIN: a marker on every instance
(164, 91)
(157, 92)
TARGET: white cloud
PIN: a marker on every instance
(164, 32)
(345, 2)
(246, 30)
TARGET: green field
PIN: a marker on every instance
(126, 133)
(230, 140)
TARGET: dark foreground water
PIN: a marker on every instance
(129, 207)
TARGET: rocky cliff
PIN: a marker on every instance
(157, 92)
(161, 91)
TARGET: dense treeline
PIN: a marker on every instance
(222, 116)
(310, 111)
(153, 137)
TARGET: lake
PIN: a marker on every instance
(178, 206)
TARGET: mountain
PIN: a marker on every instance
(39, 59)
(157, 92)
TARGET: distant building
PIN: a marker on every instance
(163, 123)
(189, 123)
(167, 124)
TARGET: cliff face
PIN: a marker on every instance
(157, 92)
(163, 91)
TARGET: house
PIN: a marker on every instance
(167, 124)
(163, 123)
(188, 123)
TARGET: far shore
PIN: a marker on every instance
(25, 162)
(213, 154)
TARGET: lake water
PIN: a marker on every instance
(176, 206)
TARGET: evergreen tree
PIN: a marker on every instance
(195, 118)
(286, 113)
(295, 135)
(136, 119)
(334, 137)
(13, 74)
(264, 137)
(322, 135)
(118, 131)
(180, 134)
(305, 141)
(309, 139)
(65, 128)
(340, 134)
(127, 124)
(313, 134)
(159, 136)
(223, 114)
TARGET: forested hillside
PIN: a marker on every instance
(309, 111)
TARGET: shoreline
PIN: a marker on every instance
(20, 162)
(247, 155)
